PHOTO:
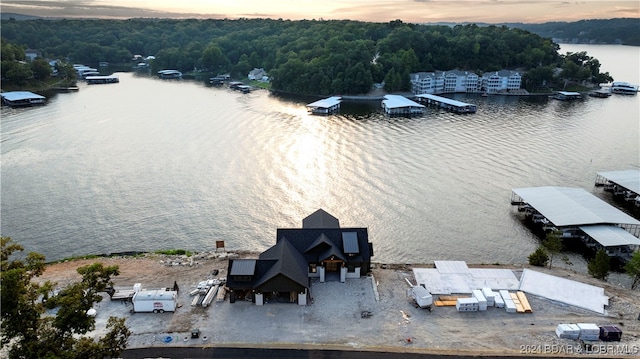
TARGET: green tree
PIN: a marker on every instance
(633, 269)
(16, 72)
(36, 335)
(599, 266)
(539, 258)
(213, 58)
(553, 244)
(40, 68)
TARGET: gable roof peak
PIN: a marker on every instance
(320, 219)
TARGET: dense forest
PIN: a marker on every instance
(623, 31)
(304, 57)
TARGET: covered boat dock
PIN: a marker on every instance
(622, 183)
(615, 240)
(325, 106)
(111, 79)
(447, 103)
(22, 98)
(578, 214)
(567, 95)
(400, 105)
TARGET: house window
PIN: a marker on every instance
(312, 268)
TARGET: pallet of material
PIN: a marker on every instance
(589, 331)
(524, 301)
(222, 293)
(499, 302)
(195, 300)
(467, 305)
(568, 331)
(516, 301)
(211, 294)
(509, 306)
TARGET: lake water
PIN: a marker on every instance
(148, 164)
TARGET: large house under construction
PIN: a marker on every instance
(320, 249)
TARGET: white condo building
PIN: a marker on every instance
(464, 81)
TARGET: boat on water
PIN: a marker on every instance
(624, 88)
(567, 95)
(22, 99)
(600, 93)
(170, 74)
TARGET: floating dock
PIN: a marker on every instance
(400, 105)
(447, 103)
(325, 106)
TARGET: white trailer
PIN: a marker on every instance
(156, 301)
(421, 296)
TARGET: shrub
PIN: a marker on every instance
(539, 258)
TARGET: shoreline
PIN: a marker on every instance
(443, 331)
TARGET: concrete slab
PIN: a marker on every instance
(564, 290)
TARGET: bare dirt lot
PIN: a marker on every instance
(334, 318)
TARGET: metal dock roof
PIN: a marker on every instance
(327, 102)
(397, 101)
(446, 100)
(610, 236)
(629, 179)
(20, 95)
(565, 206)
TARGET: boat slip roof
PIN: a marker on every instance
(326, 103)
(396, 101)
(454, 277)
(565, 206)
(610, 236)
(20, 95)
(629, 179)
(569, 93)
(448, 101)
(564, 290)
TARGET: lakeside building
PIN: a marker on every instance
(258, 75)
(456, 81)
(320, 249)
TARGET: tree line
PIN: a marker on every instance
(622, 31)
(304, 57)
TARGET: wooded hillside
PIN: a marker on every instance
(304, 57)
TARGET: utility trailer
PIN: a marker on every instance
(155, 301)
(421, 296)
(123, 294)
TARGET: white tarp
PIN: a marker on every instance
(564, 290)
(451, 277)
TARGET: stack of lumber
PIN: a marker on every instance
(448, 300)
(524, 302)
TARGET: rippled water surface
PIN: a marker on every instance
(148, 164)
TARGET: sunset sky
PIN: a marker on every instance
(418, 11)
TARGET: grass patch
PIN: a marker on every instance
(174, 252)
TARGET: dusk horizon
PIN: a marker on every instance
(412, 11)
